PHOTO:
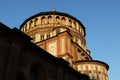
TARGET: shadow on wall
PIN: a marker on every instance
(21, 59)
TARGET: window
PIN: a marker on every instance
(43, 21)
(57, 31)
(36, 21)
(82, 54)
(75, 25)
(63, 21)
(86, 58)
(57, 20)
(50, 19)
(31, 23)
(79, 50)
(48, 36)
(42, 37)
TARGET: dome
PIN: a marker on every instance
(54, 12)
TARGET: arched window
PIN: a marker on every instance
(31, 23)
(58, 20)
(42, 37)
(75, 26)
(43, 20)
(63, 21)
(86, 58)
(49, 19)
(48, 36)
(36, 21)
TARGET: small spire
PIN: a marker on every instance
(53, 9)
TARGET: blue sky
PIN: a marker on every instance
(100, 17)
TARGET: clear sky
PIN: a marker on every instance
(100, 17)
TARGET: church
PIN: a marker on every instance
(49, 45)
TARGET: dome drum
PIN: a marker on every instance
(53, 20)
